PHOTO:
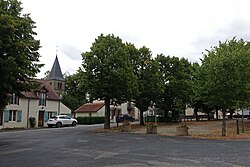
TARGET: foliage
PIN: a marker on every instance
(46, 75)
(32, 121)
(90, 120)
(108, 72)
(75, 90)
(223, 78)
(19, 55)
(177, 77)
(149, 81)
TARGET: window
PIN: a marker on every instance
(59, 85)
(48, 115)
(67, 117)
(14, 99)
(42, 99)
(62, 117)
(12, 115)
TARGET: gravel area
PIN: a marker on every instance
(201, 129)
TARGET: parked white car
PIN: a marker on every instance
(61, 120)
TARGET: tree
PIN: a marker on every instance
(46, 75)
(19, 55)
(177, 78)
(223, 78)
(149, 78)
(108, 71)
(75, 90)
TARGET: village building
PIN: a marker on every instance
(97, 108)
(40, 103)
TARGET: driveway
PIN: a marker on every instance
(81, 146)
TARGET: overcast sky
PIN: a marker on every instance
(183, 28)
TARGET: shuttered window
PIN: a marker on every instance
(6, 115)
(19, 116)
(48, 115)
(12, 115)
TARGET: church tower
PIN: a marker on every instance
(56, 78)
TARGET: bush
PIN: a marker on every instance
(151, 119)
(32, 121)
(90, 120)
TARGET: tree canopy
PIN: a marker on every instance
(177, 77)
(19, 55)
(223, 80)
(108, 71)
(75, 90)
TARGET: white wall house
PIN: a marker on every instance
(97, 108)
(41, 103)
(91, 109)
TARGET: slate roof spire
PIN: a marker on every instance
(56, 73)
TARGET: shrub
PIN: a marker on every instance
(151, 119)
(32, 121)
(90, 120)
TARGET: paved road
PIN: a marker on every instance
(79, 146)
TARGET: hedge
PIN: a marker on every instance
(90, 120)
(151, 119)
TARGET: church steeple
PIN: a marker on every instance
(56, 73)
(56, 78)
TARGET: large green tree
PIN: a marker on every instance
(223, 80)
(108, 71)
(19, 55)
(177, 77)
(146, 70)
(75, 90)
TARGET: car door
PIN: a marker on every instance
(63, 120)
(68, 120)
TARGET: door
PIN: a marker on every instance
(41, 118)
(1, 118)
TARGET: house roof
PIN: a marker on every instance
(90, 107)
(56, 73)
(43, 85)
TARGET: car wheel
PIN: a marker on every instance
(74, 123)
(58, 124)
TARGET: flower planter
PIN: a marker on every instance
(182, 131)
(151, 129)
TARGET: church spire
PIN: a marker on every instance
(56, 73)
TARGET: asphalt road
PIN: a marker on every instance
(80, 146)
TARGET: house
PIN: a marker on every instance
(97, 108)
(40, 103)
(90, 109)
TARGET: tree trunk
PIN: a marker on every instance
(141, 118)
(224, 122)
(107, 113)
(242, 122)
(217, 114)
(231, 113)
(196, 114)
(208, 115)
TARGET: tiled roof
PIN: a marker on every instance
(56, 73)
(44, 85)
(90, 107)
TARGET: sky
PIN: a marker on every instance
(182, 28)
